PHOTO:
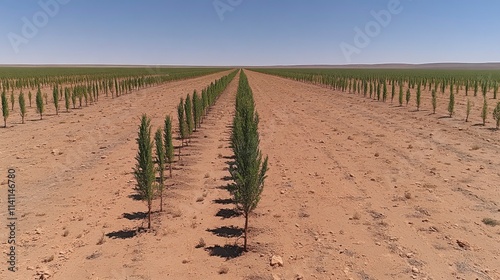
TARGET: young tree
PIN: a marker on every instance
(496, 115)
(67, 99)
(39, 103)
(169, 146)
(401, 94)
(434, 101)
(378, 91)
(196, 110)
(495, 90)
(55, 96)
(29, 97)
(160, 161)
(484, 111)
(204, 98)
(408, 96)
(22, 106)
(5, 108)
(419, 95)
(468, 109)
(12, 100)
(384, 94)
(182, 124)
(74, 95)
(451, 104)
(144, 169)
(249, 170)
(393, 91)
(188, 109)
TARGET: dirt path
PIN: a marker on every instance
(359, 189)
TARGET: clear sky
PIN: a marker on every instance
(248, 32)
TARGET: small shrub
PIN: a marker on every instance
(491, 222)
(223, 270)
(101, 240)
(48, 259)
(407, 195)
(201, 243)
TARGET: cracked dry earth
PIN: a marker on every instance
(357, 189)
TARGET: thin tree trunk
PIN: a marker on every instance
(170, 167)
(149, 215)
(161, 192)
(246, 233)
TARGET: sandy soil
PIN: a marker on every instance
(357, 189)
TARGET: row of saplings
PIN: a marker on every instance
(248, 171)
(190, 116)
(379, 91)
(72, 97)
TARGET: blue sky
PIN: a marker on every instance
(249, 32)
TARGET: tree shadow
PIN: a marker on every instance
(227, 178)
(122, 234)
(444, 117)
(227, 213)
(227, 187)
(136, 197)
(223, 201)
(228, 251)
(228, 232)
(135, 216)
